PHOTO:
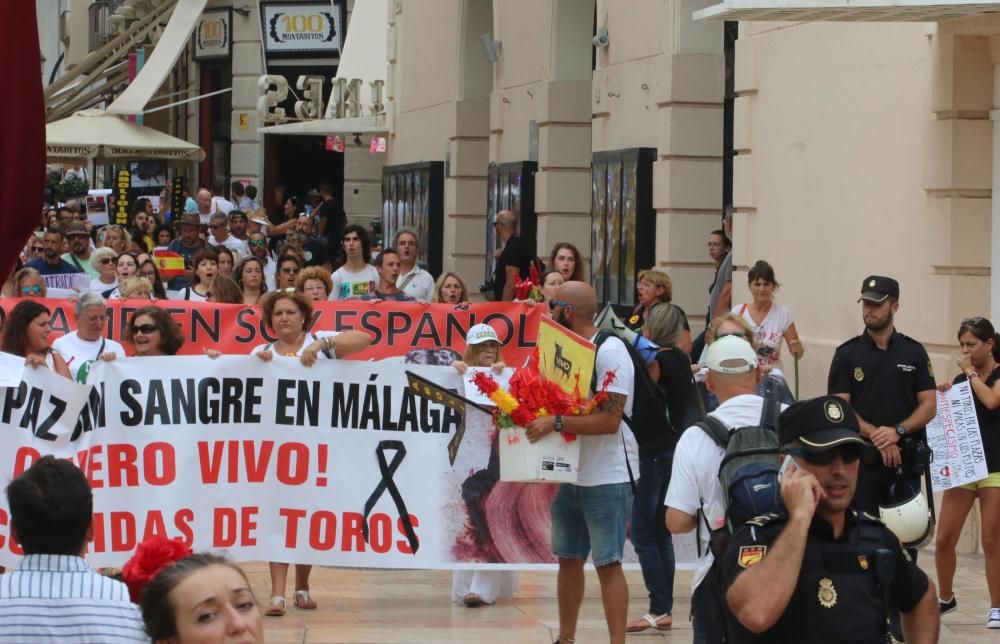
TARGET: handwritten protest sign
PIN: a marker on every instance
(953, 435)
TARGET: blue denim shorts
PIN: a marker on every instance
(591, 518)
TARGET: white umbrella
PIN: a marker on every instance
(103, 137)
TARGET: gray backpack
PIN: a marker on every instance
(748, 473)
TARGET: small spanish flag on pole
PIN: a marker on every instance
(168, 263)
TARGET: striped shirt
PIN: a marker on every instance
(58, 598)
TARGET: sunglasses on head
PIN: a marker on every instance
(973, 321)
(34, 289)
(848, 453)
(145, 329)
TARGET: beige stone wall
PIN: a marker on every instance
(866, 148)
(660, 84)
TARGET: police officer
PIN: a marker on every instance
(887, 378)
(831, 572)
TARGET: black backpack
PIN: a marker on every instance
(748, 473)
(648, 400)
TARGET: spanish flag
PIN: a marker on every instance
(168, 263)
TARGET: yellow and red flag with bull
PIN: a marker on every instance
(565, 358)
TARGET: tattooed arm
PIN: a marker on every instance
(605, 419)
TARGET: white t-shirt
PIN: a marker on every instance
(100, 287)
(602, 457)
(311, 336)
(694, 479)
(188, 293)
(347, 284)
(769, 334)
(238, 246)
(223, 205)
(420, 287)
(76, 351)
(270, 268)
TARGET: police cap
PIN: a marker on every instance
(876, 288)
(819, 424)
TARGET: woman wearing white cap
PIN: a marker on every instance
(477, 587)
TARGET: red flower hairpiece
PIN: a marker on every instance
(151, 556)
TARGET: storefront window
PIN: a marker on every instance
(413, 197)
(510, 186)
(623, 223)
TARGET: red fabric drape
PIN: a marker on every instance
(22, 131)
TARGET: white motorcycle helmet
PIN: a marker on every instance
(909, 520)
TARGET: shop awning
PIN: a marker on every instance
(168, 49)
(364, 57)
(845, 10)
(103, 137)
(374, 124)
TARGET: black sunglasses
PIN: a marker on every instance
(145, 329)
(848, 453)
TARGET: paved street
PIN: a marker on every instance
(413, 606)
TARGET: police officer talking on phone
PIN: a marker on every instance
(831, 572)
(887, 378)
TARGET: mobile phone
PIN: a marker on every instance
(788, 462)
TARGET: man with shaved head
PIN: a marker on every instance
(589, 516)
(513, 261)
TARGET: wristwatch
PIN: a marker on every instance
(559, 424)
(900, 430)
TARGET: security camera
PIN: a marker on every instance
(601, 39)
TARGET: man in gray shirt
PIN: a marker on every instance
(387, 265)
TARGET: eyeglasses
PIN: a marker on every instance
(848, 453)
(258, 242)
(38, 249)
(105, 260)
(214, 226)
(148, 275)
(34, 289)
(290, 270)
(145, 329)
(96, 318)
(555, 304)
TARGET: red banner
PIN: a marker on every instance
(397, 328)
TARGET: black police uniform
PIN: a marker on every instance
(883, 386)
(838, 597)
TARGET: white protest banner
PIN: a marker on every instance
(337, 464)
(953, 436)
(11, 370)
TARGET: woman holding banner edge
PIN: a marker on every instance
(980, 365)
(26, 333)
(289, 314)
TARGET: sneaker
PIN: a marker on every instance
(994, 619)
(947, 606)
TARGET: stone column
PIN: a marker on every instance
(246, 155)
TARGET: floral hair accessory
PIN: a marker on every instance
(151, 556)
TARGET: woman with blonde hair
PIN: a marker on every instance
(450, 289)
(655, 287)
(135, 288)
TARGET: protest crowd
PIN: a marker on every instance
(696, 430)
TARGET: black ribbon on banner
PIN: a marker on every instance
(436, 393)
(388, 469)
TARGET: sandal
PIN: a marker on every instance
(302, 600)
(277, 607)
(648, 621)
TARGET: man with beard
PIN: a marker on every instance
(79, 249)
(589, 516)
(829, 570)
(887, 378)
(51, 261)
(258, 249)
